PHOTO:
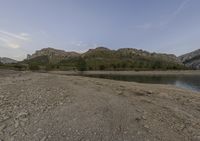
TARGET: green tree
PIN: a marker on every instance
(81, 64)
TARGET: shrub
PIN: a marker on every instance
(81, 64)
(34, 67)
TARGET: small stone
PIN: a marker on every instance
(149, 92)
(2, 127)
(13, 133)
(5, 117)
(196, 138)
(137, 119)
(119, 92)
(44, 138)
(138, 132)
(16, 123)
(64, 134)
(143, 117)
(22, 115)
(12, 139)
(1, 96)
(146, 126)
(39, 129)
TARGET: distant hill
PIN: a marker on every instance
(191, 59)
(102, 58)
(52, 55)
(5, 60)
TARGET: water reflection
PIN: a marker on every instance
(191, 82)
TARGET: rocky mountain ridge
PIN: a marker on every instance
(53, 54)
(191, 59)
(102, 58)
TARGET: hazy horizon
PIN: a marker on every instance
(170, 26)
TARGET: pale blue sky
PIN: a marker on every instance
(168, 26)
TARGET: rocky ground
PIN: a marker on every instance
(52, 107)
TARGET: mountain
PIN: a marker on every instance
(102, 58)
(191, 59)
(128, 58)
(5, 60)
(51, 55)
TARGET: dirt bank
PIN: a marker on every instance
(51, 107)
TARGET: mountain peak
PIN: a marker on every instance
(6, 60)
(191, 59)
(53, 54)
(101, 48)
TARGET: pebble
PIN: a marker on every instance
(196, 138)
(146, 126)
(143, 117)
(138, 132)
(12, 139)
(44, 138)
(16, 123)
(2, 127)
(5, 117)
(119, 92)
(22, 115)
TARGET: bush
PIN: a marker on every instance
(34, 67)
(20, 67)
(81, 65)
(102, 67)
(50, 67)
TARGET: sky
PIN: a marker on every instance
(167, 26)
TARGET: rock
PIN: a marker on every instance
(2, 127)
(13, 133)
(149, 92)
(5, 117)
(138, 132)
(22, 115)
(196, 138)
(146, 126)
(144, 118)
(191, 59)
(39, 129)
(119, 92)
(16, 123)
(12, 139)
(44, 138)
(1, 96)
(138, 119)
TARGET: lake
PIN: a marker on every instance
(190, 82)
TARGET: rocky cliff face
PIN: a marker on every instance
(6, 60)
(102, 58)
(54, 55)
(191, 59)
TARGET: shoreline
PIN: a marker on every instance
(168, 72)
(65, 107)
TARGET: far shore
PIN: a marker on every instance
(168, 72)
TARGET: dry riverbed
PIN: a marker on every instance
(52, 107)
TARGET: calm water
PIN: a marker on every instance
(191, 82)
